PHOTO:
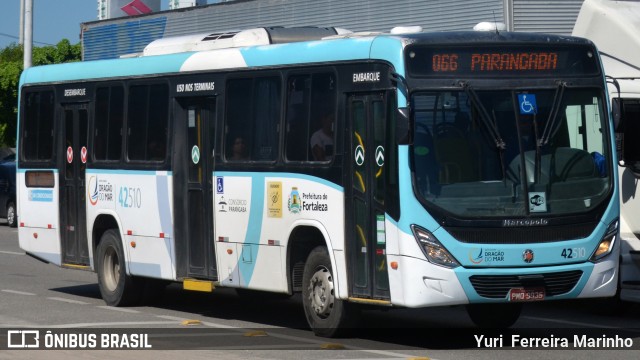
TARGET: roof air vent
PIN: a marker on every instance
(406, 30)
(235, 39)
(490, 26)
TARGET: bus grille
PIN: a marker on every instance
(526, 235)
(498, 286)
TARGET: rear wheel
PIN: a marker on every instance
(12, 215)
(498, 316)
(327, 315)
(116, 287)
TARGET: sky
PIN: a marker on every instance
(53, 20)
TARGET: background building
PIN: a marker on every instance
(177, 4)
(121, 36)
(109, 9)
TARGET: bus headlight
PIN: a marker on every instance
(432, 249)
(606, 244)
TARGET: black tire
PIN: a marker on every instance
(116, 287)
(12, 214)
(496, 316)
(327, 316)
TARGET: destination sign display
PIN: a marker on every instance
(501, 61)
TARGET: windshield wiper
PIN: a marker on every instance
(484, 116)
(489, 124)
(551, 127)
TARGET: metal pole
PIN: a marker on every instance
(508, 14)
(28, 33)
(21, 35)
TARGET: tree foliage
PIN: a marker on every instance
(11, 66)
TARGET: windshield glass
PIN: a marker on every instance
(510, 153)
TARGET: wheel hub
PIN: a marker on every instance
(321, 292)
(111, 269)
(11, 215)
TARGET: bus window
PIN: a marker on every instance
(585, 131)
(253, 120)
(147, 122)
(311, 103)
(108, 123)
(37, 132)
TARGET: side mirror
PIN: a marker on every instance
(626, 131)
(618, 128)
(616, 113)
(403, 127)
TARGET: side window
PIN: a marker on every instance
(310, 118)
(107, 136)
(147, 122)
(37, 131)
(252, 119)
(584, 127)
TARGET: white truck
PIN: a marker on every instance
(614, 26)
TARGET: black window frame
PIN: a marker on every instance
(94, 120)
(311, 120)
(228, 137)
(23, 161)
(150, 104)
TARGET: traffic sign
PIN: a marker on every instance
(69, 154)
(195, 154)
(380, 156)
(83, 154)
(359, 155)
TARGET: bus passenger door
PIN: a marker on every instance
(73, 212)
(193, 161)
(365, 197)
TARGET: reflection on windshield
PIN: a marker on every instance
(492, 153)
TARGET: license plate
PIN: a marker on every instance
(531, 294)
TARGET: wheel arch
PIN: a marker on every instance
(303, 238)
(102, 223)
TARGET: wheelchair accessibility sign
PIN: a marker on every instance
(527, 104)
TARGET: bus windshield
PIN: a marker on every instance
(496, 153)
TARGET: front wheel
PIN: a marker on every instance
(327, 315)
(116, 287)
(497, 316)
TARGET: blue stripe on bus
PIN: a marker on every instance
(104, 69)
(263, 175)
(256, 212)
(128, 172)
(307, 52)
(380, 47)
(253, 232)
(164, 204)
(23, 170)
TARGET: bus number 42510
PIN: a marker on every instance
(573, 253)
(130, 197)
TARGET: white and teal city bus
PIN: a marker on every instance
(406, 169)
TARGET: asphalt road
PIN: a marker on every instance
(224, 325)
